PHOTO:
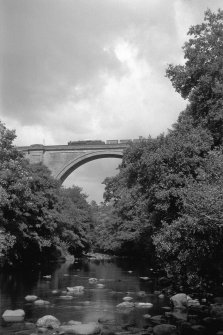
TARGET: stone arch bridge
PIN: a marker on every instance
(62, 160)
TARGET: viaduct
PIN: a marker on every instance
(62, 160)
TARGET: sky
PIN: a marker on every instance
(92, 69)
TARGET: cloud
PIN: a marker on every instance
(60, 51)
(50, 48)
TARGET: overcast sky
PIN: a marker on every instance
(92, 69)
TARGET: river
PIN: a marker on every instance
(119, 278)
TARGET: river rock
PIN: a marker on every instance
(179, 300)
(192, 302)
(144, 305)
(161, 296)
(16, 315)
(41, 302)
(31, 298)
(164, 329)
(48, 321)
(100, 285)
(141, 294)
(29, 325)
(126, 304)
(127, 298)
(55, 291)
(82, 329)
(75, 289)
(92, 280)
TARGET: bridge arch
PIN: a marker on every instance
(85, 158)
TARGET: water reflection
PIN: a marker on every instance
(91, 304)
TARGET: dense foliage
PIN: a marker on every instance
(77, 220)
(200, 79)
(168, 194)
(37, 217)
(104, 234)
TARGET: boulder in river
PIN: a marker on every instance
(179, 300)
(127, 298)
(41, 302)
(92, 280)
(100, 285)
(55, 291)
(31, 298)
(75, 289)
(16, 315)
(192, 302)
(141, 294)
(144, 278)
(126, 304)
(48, 321)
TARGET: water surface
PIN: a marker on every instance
(120, 278)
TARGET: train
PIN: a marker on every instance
(99, 142)
(85, 142)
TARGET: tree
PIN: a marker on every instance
(77, 221)
(14, 190)
(104, 235)
(147, 191)
(195, 239)
(200, 79)
(36, 216)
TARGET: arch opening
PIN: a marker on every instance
(77, 162)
